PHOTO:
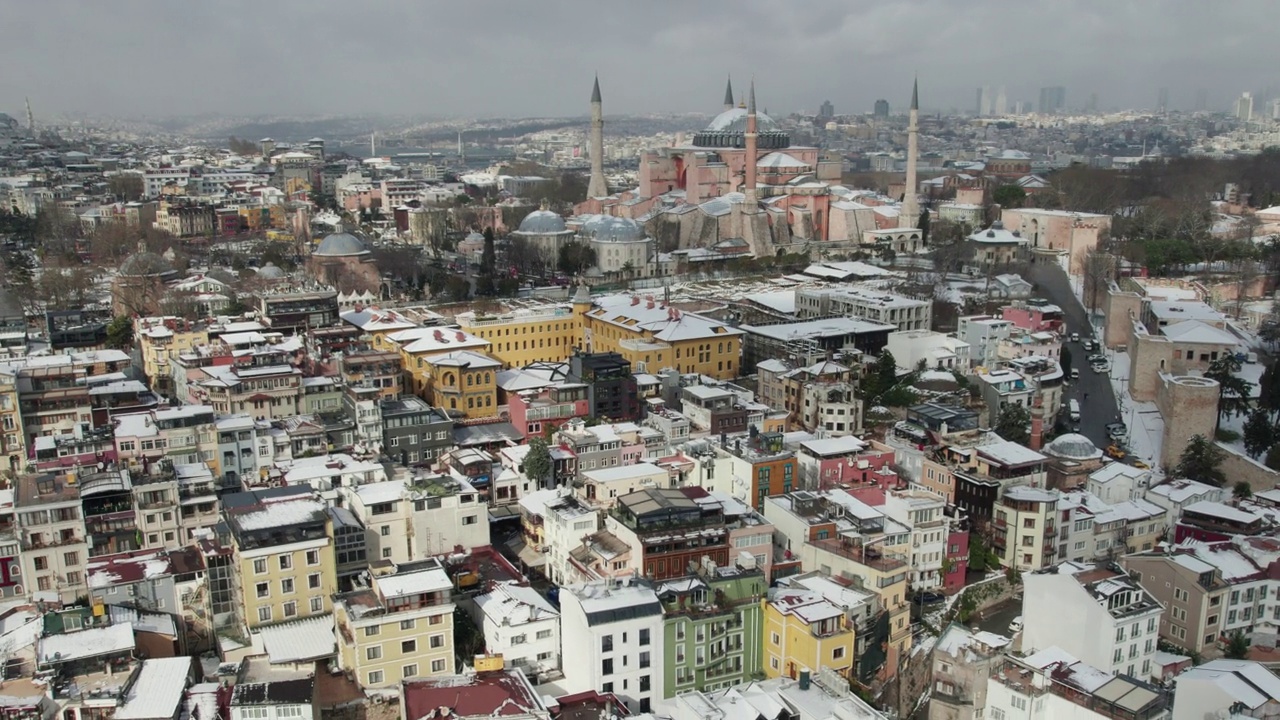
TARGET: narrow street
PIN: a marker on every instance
(1093, 390)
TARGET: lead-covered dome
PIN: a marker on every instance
(270, 272)
(145, 264)
(607, 228)
(542, 222)
(341, 244)
(1072, 446)
(729, 130)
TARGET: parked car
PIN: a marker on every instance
(1075, 373)
(1075, 337)
(1015, 627)
(1115, 451)
(1101, 368)
(1141, 465)
(1117, 431)
(1094, 359)
(1088, 345)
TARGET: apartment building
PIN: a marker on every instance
(923, 514)
(803, 630)
(54, 542)
(1223, 686)
(381, 370)
(983, 334)
(282, 548)
(463, 382)
(182, 435)
(397, 629)
(668, 532)
(1122, 617)
(962, 661)
(1053, 684)
(753, 467)
(862, 613)
(1025, 529)
(616, 630)
(268, 391)
(712, 630)
(521, 626)
(413, 431)
(865, 303)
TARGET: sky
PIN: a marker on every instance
(512, 58)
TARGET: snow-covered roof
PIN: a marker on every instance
(300, 640)
(157, 691)
(416, 582)
(1007, 452)
(512, 604)
(1195, 331)
(84, 644)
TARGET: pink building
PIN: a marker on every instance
(957, 563)
(534, 412)
(1058, 234)
(1034, 316)
(848, 462)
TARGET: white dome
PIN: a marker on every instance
(1072, 446)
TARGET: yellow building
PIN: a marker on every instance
(160, 339)
(418, 345)
(11, 435)
(399, 628)
(805, 631)
(464, 381)
(282, 542)
(648, 334)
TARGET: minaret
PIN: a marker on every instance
(373, 144)
(31, 119)
(728, 94)
(597, 186)
(751, 157)
(910, 214)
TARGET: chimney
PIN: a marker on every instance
(804, 678)
(1037, 424)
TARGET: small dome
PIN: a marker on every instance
(270, 272)
(542, 222)
(607, 228)
(340, 245)
(145, 263)
(1072, 446)
(473, 236)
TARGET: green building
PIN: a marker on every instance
(714, 630)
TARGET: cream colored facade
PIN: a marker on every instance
(1025, 528)
(398, 629)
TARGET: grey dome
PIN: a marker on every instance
(607, 228)
(1072, 446)
(735, 120)
(144, 264)
(542, 222)
(340, 245)
(270, 272)
(473, 235)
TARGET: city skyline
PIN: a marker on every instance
(292, 58)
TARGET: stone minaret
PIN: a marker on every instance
(751, 155)
(597, 186)
(728, 94)
(910, 216)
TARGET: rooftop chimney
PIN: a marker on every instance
(1037, 424)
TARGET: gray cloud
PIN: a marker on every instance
(492, 57)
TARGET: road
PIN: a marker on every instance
(996, 618)
(1093, 390)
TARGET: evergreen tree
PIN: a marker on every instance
(1242, 491)
(923, 224)
(1273, 457)
(120, 333)
(1237, 646)
(1234, 390)
(1259, 432)
(1269, 389)
(1014, 424)
(1201, 461)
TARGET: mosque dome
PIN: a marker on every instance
(340, 245)
(607, 228)
(145, 264)
(542, 222)
(270, 272)
(474, 236)
(729, 130)
(1072, 446)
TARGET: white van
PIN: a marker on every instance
(1074, 408)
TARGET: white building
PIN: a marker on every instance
(615, 631)
(1054, 685)
(1217, 688)
(983, 333)
(448, 516)
(938, 351)
(521, 626)
(1118, 482)
(1122, 619)
(1175, 495)
(922, 511)
(867, 303)
(565, 522)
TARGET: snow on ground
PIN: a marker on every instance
(1146, 427)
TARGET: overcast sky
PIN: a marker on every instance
(532, 58)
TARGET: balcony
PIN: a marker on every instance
(864, 554)
(550, 412)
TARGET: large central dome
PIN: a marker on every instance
(729, 129)
(341, 245)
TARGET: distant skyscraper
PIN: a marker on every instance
(1162, 100)
(1202, 100)
(986, 101)
(827, 110)
(1052, 99)
(1002, 102)
(1244, 107)
(882, 109)
(1275, 109)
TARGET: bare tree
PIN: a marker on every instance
(1100, 269)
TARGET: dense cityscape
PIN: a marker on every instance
(899, 411)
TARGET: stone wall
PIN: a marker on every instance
(1120, 308)
(1237, 467)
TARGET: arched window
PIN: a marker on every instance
(470, 380)
(471, 403)
(486, 378)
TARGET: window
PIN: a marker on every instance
(469, 520)
(437, 666)
(644, 659)
(518, 639)
(644, 636)
(264, 614)
(263, 590)
(838, 653)
(288, 711)
(291, 609)
(385, 531)
(606, 666)
(286, 586)
(437, 641)
(644, 683)
(313, 557)
(409, 671)
(375, 677)
(317, 604)
(286, 562)
(260, 566)
(313, 581)
(408, 646)
(407, 624)
(606, 643)
(373, 652)
(543, 634)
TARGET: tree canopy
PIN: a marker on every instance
(1202, 461)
